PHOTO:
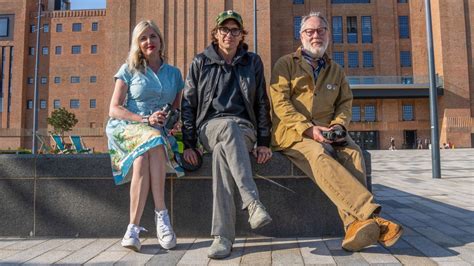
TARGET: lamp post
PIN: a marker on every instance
(35, 98)
(435, 158)
(255, 26)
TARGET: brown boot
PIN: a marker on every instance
(390, 232)
(361, 234)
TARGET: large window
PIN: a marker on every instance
(76, 27)
(353, 59)
(75, 79)
(74, 104)
(76, 49)
(356, 113)
(407, 112)
(352, 29)
(367, 59)
(296, 27)
(95, 26)
(370, 113)
(56, 104)
(366, 29)
(338, 57)
(350, 1)
(405, 59)
(337, 29)
(4, 27)
(59, 27)
(403, 27)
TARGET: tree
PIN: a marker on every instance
(62, 120)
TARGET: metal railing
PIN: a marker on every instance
(396, 80)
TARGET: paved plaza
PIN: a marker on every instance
(437, 214)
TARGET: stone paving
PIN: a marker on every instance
(437, 214)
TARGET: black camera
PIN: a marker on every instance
(334, 134)
(172, 116)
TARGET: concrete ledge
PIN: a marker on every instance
(74, 195)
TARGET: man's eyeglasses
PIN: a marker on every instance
(234, 31)
(320, 31)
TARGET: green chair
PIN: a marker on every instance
(59, 144)
(78, 145)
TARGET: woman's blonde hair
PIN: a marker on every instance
(135, 60)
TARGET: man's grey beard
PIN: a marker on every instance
(315, 52)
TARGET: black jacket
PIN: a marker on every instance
(201, 84)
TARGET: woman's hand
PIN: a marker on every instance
(157, 118)
(262, 153)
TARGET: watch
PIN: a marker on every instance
(146, 119)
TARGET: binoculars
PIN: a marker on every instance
(334, 134)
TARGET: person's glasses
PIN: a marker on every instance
(234, 31)
(320, 31)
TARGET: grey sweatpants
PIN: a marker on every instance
(230, 139)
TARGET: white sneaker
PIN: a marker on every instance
(164, 231)
(131, 238)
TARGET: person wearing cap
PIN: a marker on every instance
(225, 106)
(310, 97)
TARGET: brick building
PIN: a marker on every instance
(381, 44)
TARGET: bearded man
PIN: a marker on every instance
(312, 104)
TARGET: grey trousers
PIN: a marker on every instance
(230, 139)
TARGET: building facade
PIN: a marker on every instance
(380, 44)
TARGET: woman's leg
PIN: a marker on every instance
(157, 165)
(139, 187)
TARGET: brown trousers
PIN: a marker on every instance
(340, 173)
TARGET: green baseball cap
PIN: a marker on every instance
(229, 14)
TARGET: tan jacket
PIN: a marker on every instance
(298, 103)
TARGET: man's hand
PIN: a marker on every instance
(190, 156)
(262, 153)
(315, 134)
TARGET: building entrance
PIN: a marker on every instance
(410, 139)
(367, 140)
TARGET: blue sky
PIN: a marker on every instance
(87, 4)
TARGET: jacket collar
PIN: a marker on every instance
(241, 57)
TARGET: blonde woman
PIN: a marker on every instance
(139, 145)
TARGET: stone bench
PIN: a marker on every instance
(74, 195)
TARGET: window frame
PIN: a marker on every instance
(350, 57)
(76, 27)
(76, 49)
(352, 29)
(337, 32)
(73, 106)
(408, 107)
